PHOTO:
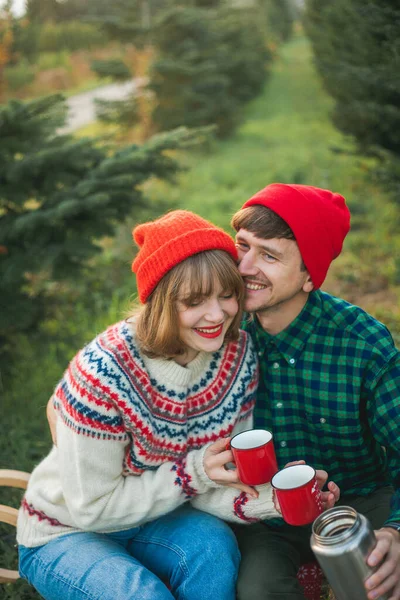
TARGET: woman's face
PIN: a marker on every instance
(203, 324)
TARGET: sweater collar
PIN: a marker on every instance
(171, 371)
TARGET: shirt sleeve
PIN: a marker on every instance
(385, 423)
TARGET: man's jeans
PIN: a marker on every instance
(194, 553)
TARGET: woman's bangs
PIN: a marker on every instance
(203, 273)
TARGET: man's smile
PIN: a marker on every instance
(249, 285)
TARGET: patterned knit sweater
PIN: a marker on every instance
(131, 435)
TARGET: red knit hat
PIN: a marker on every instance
(171, 239)
(319, 219)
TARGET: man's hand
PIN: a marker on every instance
(386, 554)
(52, 420)
(332, 495)
(216, 457)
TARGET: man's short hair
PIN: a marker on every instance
(262, 222)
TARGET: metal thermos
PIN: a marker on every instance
(341, 540)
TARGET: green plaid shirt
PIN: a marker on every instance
(330, 392)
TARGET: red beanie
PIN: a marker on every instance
(171, 239)
(319, 219)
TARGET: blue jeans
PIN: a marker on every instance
(192, 552)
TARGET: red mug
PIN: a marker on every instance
(298, 494)
(254, 456)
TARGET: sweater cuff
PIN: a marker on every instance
(250, 509)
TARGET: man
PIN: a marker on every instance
(329, 384)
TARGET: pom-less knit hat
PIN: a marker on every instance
(319, 219)
(168, 241)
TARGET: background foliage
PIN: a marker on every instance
(360, 70)
(58, 196)
(67, 204)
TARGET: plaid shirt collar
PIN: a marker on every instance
(290, 342)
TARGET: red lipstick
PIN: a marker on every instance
(209, 332)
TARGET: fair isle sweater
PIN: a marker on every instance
(131, 435)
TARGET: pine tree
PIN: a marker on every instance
(127, 21)
(208, 62)
(6, 42)
(41, 11)
(114, 68)
(58, 195)
(280, 17)
(356, 50)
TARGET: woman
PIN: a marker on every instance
(106, 512)
(143, 413)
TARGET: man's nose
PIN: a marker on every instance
(247, 264)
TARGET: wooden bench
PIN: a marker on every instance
(9, 514)
(310, 575)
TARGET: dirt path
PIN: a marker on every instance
(82, 108)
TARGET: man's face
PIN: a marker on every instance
(272, 272)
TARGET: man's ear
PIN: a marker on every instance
(308, 285)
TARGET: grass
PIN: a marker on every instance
(286, 136)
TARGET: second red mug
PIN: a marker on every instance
(298, 494)
(254, 455)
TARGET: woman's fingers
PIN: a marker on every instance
(245, 488)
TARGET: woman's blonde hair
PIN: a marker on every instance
(157, 323)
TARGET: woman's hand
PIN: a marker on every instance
(216, 457)
(52, 420)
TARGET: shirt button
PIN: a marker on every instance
(322, 420)
(283, 444)
(292, 361)
(279, 405)
(260, 353)
(276, 365)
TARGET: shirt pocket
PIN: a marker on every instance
(334, 428)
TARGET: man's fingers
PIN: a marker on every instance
(395, 593)
(335, 490)
(387, 585)
(379, 552)
(327, 499)
(321, 477)
(295, 462)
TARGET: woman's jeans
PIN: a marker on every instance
(191, 552)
